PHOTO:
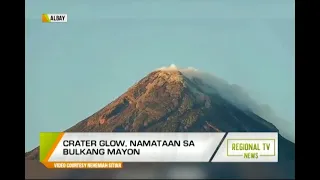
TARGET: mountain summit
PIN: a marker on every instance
(180, 100)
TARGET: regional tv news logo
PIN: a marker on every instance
(54, 18)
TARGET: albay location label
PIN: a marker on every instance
(54, 18)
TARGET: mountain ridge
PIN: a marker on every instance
(171, 100)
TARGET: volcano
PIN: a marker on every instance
(181, 100)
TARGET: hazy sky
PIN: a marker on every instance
(73, 69)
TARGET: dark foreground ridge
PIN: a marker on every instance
(167, 101)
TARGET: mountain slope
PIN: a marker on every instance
(167, 100)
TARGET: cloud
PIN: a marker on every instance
(172, 67)
(238, 96)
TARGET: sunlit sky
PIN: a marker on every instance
(73, 69)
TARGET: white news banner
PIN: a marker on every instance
(158, 147)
